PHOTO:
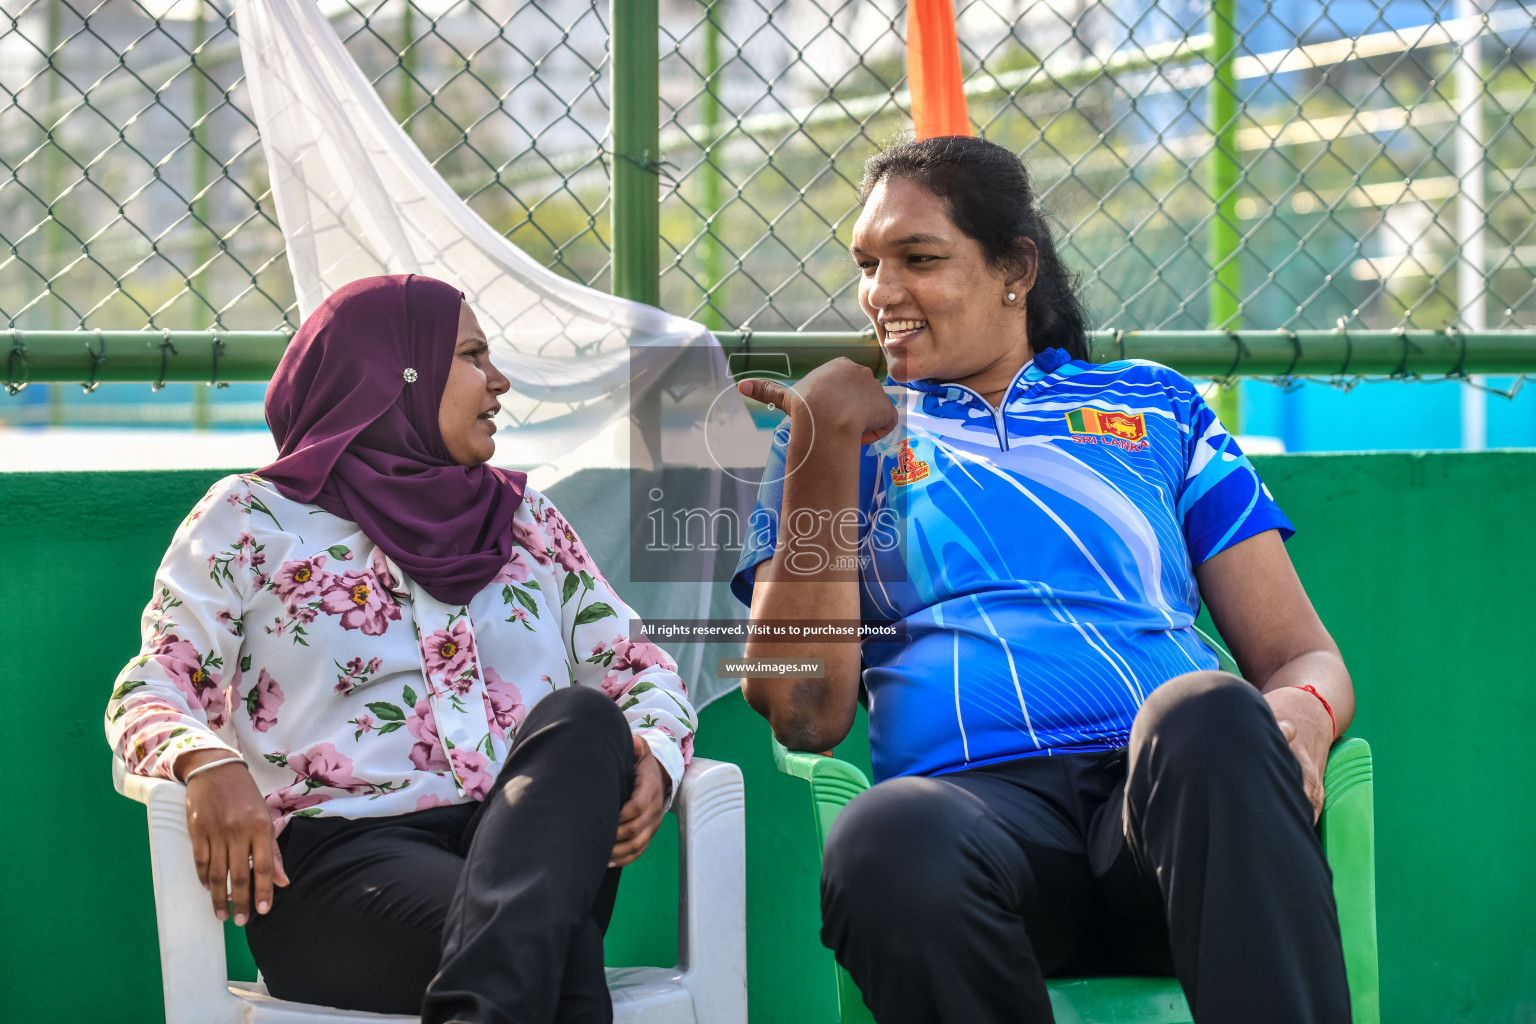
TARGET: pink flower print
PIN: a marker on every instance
(364, 723)
(305, 614)
(470, 766)
(532, 541)
(504, 707)
(244, 545)
(638, 655)
(381, 571)
(184, 665)
(361, 602)
(293, 798)
(685, 744)
(140, 751)
(569, 551)
(617, 684)
(517, 569)
(518, 615)
(427, 752)
(263, 701)
(450, 656)
(430, 800)
(301, 581)
(324, 765)
(356, 673)
(153, 723)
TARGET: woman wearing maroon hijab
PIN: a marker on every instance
(416, 740)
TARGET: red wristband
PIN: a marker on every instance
(1326, 706)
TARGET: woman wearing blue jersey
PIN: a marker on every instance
(1065, 782)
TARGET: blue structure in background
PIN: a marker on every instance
(136, 405)
(1382, 415)
(1312, 417)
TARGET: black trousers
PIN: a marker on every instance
(1192, 852)
(488, 913)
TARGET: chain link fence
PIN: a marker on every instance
(133, 190)
(1371, 148)
(1371, 163)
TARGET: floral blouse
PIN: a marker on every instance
(281, 633)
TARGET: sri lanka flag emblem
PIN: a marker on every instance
(1107, 424)
(909, 468)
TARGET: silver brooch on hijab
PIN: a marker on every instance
(409, 375)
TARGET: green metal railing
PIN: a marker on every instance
(1205, 172)
(91, 358)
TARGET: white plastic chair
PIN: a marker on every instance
(708, 985)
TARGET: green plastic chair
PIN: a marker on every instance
(1348, 833)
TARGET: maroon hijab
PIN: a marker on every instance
(353, 407)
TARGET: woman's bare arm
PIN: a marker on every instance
(813, 574)
(1263, 612)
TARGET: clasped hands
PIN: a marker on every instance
(233, 839)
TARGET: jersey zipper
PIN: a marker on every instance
(999, 425)
(999, 428)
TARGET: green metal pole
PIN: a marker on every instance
(635, 213)
(1225, 237)
(709, 182)
(1471, 213)
(202, 415)
(54, 175)
(404, 94)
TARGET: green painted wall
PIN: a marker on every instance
(1418, 563)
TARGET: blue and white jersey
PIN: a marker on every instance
(1041, 556)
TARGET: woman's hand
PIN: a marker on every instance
(232, 836)
(641, 814)
(837, 395)
(1307, 728)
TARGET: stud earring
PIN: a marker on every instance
(1011, 296)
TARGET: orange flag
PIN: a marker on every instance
(933, 70)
